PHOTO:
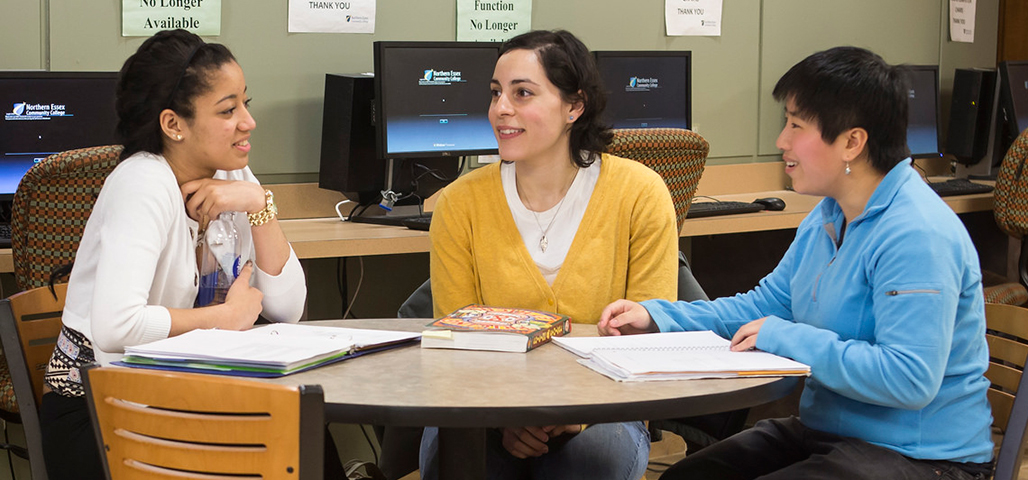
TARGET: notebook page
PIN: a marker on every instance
(584, 346)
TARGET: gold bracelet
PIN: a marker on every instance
(269, 212)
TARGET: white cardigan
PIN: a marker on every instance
(137, 259)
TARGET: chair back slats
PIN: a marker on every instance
(50, 209)
(153, 422)
(37, 317)
(1007, 336)
(1006, 377)
(1001, 403)
(29, 324)
(678, 155)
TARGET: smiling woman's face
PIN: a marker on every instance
(528, 114)
(218, 135)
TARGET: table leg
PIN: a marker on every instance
(462, 453)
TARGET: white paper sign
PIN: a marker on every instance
(961, 20)
(143, 18)
(693, 17)
(492, 20)
(349, 16)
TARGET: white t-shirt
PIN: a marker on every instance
(560, 222)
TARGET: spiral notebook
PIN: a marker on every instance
(675, 356)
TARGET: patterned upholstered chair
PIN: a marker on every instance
(678, 155)
(50, 210)
(1011, 212)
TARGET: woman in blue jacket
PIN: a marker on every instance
(880, 293)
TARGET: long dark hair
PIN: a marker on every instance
(168, 71)
(571, 68)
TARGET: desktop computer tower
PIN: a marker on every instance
(348, 160)
(972, 126)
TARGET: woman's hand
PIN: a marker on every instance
(242, 302)
(207, 198)
(625, 317)
(525, 442)
(746, 337)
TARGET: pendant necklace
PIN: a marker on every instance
(543, 242)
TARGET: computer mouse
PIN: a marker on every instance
(771, 203)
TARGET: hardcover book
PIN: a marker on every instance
(480, 327)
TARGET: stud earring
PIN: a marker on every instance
(178, 137)
(572, 117)
(848, 171)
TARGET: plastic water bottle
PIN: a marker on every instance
(222, 258)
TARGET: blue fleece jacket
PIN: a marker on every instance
(891, 322)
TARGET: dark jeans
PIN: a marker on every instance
(785, 449)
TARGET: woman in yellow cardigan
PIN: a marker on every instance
(557, 226)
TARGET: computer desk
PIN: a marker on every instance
(329, 237)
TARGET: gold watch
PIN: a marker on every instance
(269, 212)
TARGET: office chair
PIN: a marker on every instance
(1007, 336)
(1011, 213)
(29, 324)
(678, 155)
(158, 424)
(50, 209)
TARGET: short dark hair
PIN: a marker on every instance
(571, 68)
(169, 70)
(849, 87)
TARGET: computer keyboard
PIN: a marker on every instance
(418, 223)
(393, 220)
(5, 235)
(959, 186)
(710, 209)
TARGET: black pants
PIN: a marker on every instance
(785, 449)
(69, 444)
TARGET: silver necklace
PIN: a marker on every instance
(543, 242)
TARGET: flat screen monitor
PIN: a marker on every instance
(923, 111)
(432, 98)
(50, 112)
(1015, 96)
(647, 89)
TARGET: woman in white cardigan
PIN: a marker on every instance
(184, 120)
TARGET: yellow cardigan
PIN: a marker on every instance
(625, 247)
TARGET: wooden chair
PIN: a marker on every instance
(29, 324)
(1008, 348)
(162, 425)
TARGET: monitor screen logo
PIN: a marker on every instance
(19, 108)
(440, 77)
(642, 84)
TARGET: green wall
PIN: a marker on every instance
(732, 79)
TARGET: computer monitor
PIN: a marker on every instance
(1014, 100)
(432, 98)
(923, 111)
(50, 112)
(647, 89)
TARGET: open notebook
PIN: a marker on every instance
(266, 351)
(675, 356)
